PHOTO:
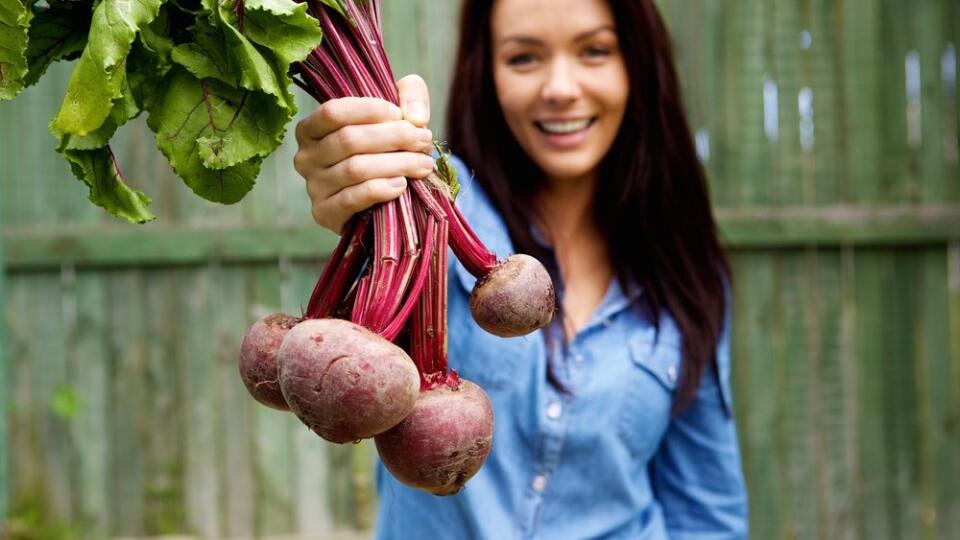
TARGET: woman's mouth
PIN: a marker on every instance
(565, 133)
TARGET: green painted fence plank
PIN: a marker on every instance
(164, 508)
(756, 385)
(900, 388)
(951, 517)
(798, 421)
(862, 60)
(934, 185)
(129, 402)
(871, 276)
(235, 409)
(834, 423)
(203, 491)
(90, 429)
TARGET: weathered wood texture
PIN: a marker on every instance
(829, 129)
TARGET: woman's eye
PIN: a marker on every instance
(596, 52)
(520, 59)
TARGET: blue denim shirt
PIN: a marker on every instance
(606, 460)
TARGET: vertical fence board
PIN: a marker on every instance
(940, 465)
(199, 390)
(90, 373)
(235, 408)
(871, 275)
(756, 382)
(129, 402)
(163, 447)
(951, 517)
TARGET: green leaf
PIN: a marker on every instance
(207, 56)
(56, 33)
(97, 79)
(108, 189)
(124, 109)
(214, 135)
(283, 26)
(14, 27)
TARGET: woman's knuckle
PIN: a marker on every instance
(349, 139)
(353, 169)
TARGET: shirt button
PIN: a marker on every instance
(672, 373)
(539, 482)
(554, 410)
(578, 358)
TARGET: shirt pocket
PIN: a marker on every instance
(651, 384)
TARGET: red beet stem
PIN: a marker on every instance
(476, 258)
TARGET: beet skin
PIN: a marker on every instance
(515, 298)
(444, 440)
(345, 382)
(258, 358)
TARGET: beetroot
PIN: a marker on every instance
(345, 382)
(258, 358)
(513, 299)
(443, 442)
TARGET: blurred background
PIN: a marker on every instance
(830, 132)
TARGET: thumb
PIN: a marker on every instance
(414, 100)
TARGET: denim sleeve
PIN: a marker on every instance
(696, 471)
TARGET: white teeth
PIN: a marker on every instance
(567, 126)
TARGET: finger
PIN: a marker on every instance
(363, 167)
(369, 139)
(414, 100)
(336, 113)
(337, 210)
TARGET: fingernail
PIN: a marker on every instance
(399, 181)
(425, 135)
(416, 111)
(426, 162)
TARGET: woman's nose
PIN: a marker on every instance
(561, 85)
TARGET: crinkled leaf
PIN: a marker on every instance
(124, 109)
(97, 79)
(14, 26)
(108, 190)
(222, 52)
(145, 72)
(283, 26)
(156, 36)
(206, 120)
(58, 32)
(206, 56)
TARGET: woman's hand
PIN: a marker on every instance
(357, 152)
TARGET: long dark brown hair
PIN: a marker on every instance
(652, 201)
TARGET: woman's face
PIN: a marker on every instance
(561, 81)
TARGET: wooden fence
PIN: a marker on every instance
(829, 128)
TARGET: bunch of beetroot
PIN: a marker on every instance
(337, 367)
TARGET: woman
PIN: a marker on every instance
(616, 421)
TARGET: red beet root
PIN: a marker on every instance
(443, 442)
(345, 382)
(514, 298)
(258, 358)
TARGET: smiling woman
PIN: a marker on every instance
(569, 134)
